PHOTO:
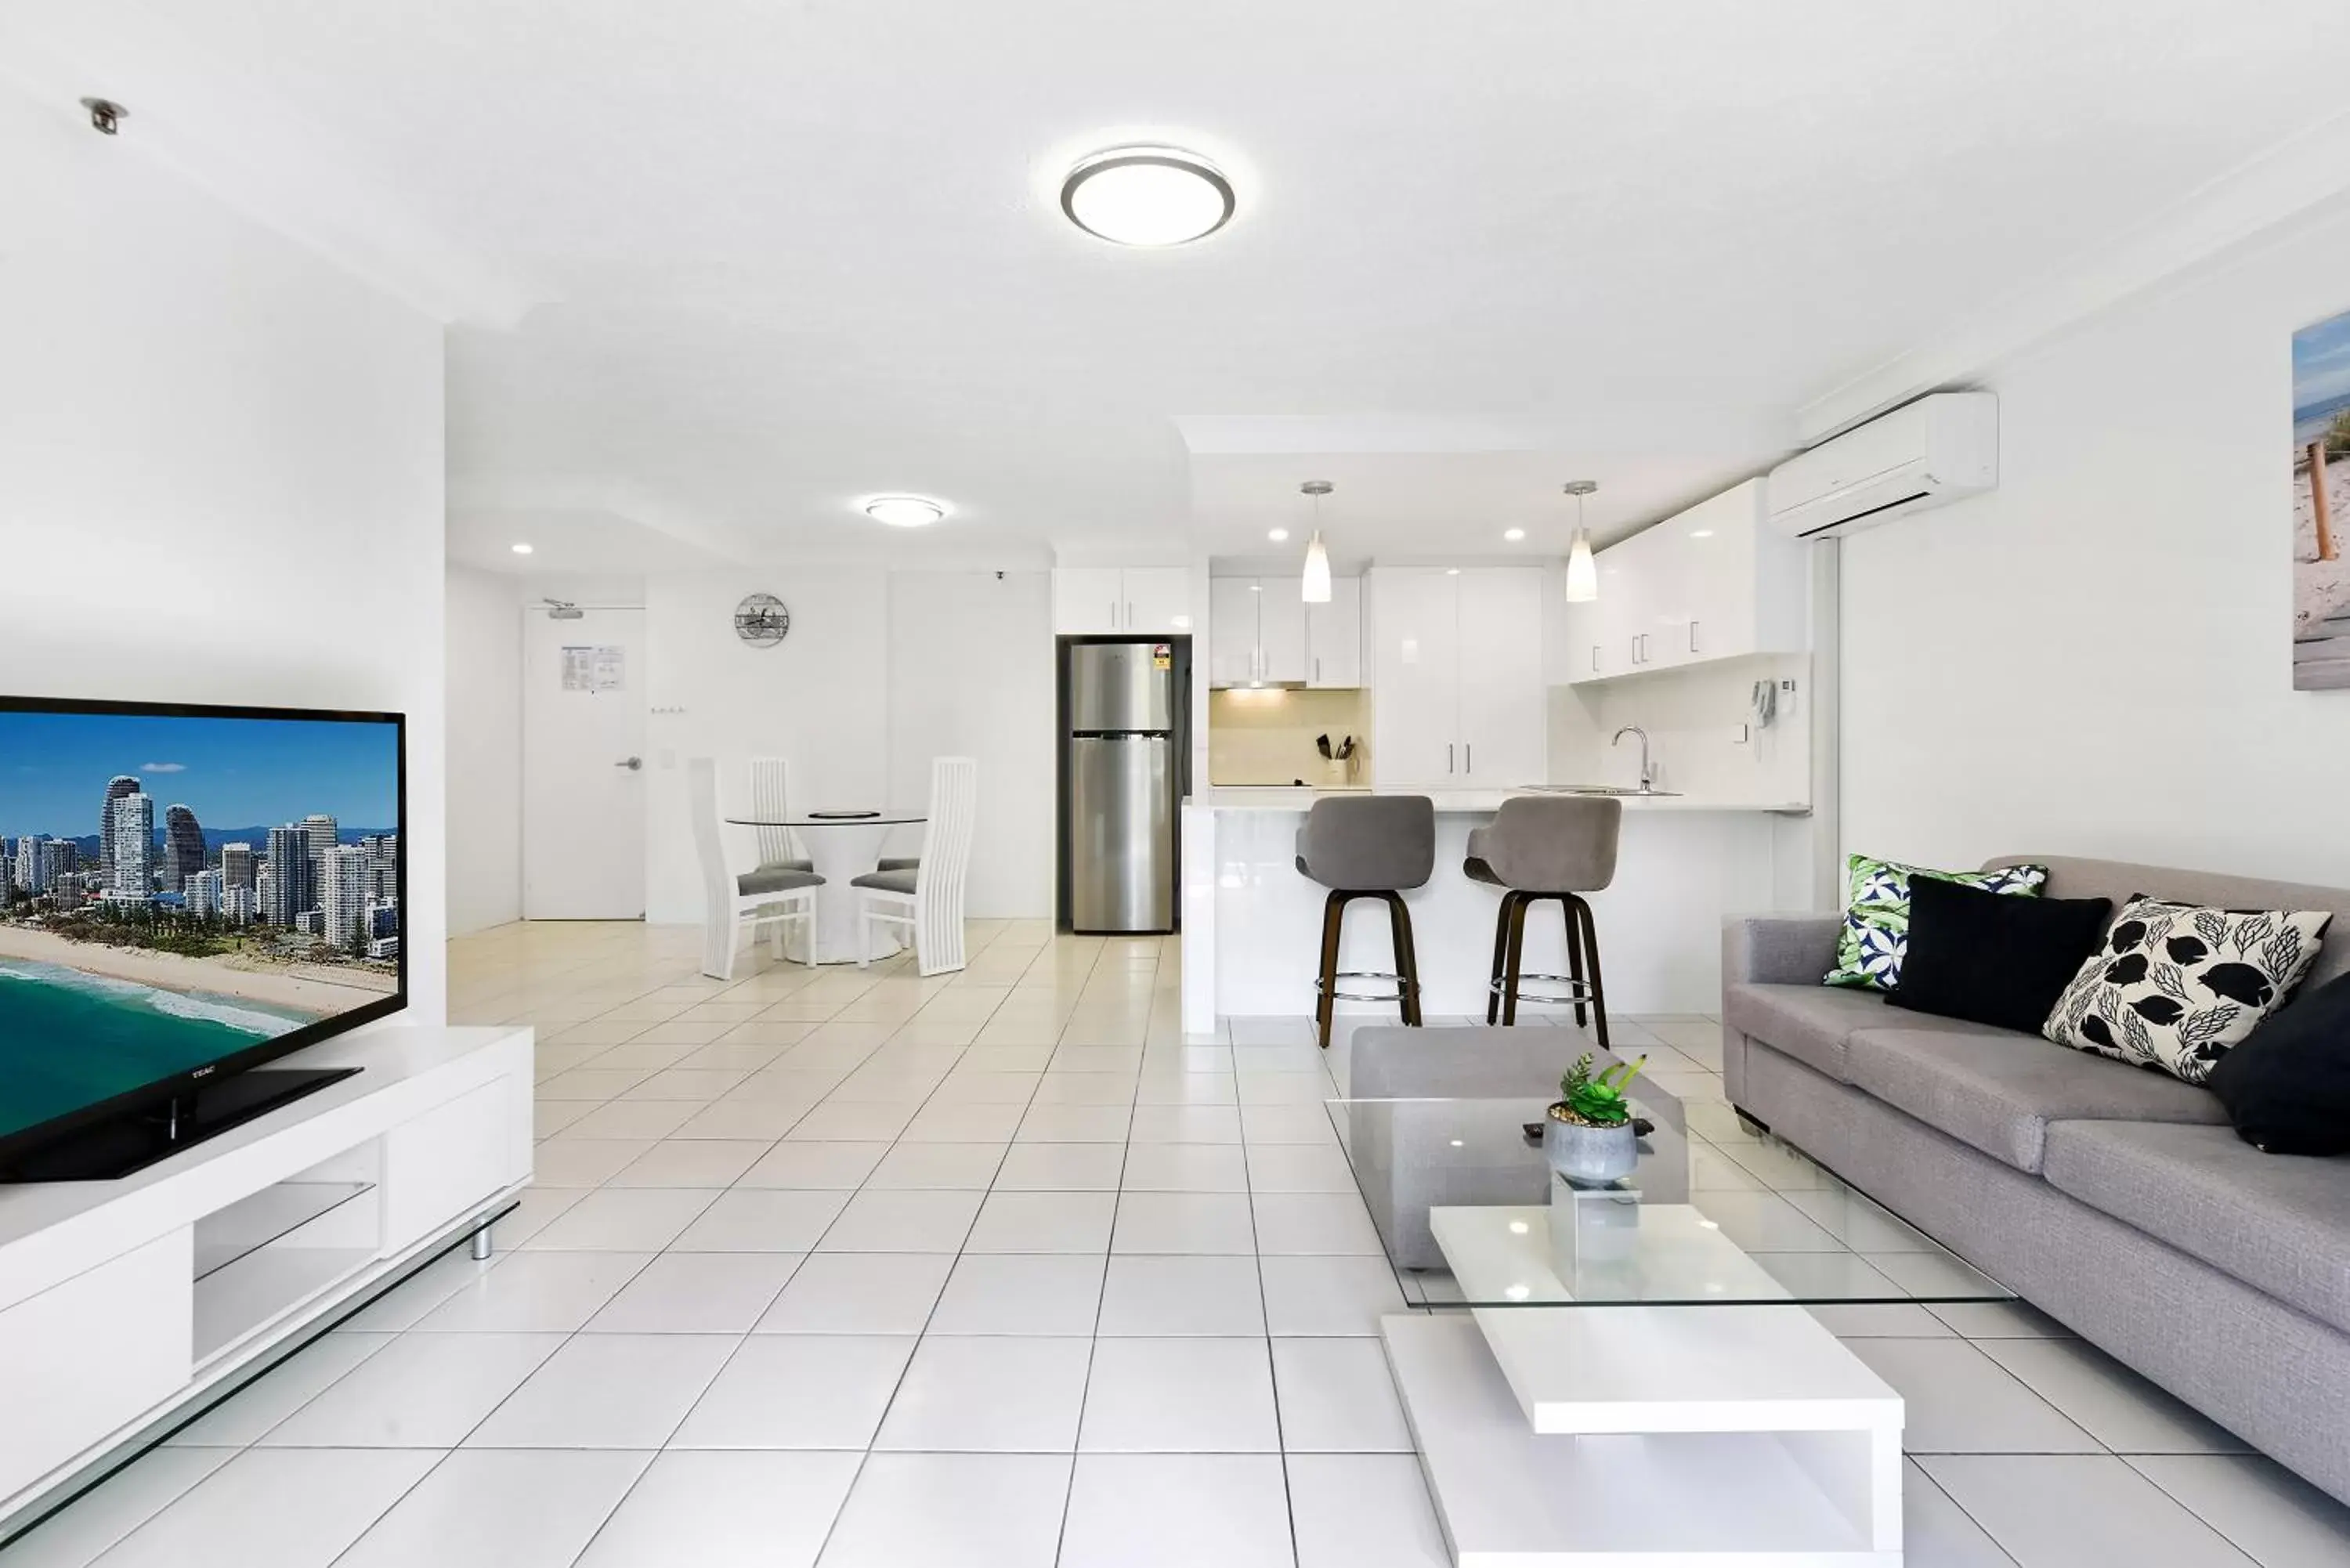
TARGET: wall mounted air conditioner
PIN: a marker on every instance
(1940, 448)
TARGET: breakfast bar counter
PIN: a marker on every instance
(1251, 920)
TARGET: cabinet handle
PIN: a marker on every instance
(1692, 636)
(1447, 756)
(1469, 756)
(1317, 670)
(1113, 615)
(1595, 658)
(1129, 614)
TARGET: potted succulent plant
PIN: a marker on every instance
(1589, 1138)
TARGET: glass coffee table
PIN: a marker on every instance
(1634, 1373)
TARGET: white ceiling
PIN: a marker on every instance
(778, 254)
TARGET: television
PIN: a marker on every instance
(186, 894)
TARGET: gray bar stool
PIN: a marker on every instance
(1368, 846)
(1547, 846)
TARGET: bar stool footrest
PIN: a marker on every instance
(1404, 988)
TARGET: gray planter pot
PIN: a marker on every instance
(1590, 1157)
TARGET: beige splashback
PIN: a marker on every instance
(1703, 742)
(1265, 736)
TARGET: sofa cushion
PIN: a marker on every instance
(2177, 986)
(1997, 1090)
(1809, 1022)
(1876, 932)
(2280, 1225)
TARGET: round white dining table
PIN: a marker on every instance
(842, 845)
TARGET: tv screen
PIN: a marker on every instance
(186, 892)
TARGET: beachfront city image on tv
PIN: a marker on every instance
(176, 889)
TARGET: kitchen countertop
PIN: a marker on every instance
(1289, 797)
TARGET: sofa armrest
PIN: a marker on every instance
(1778, 950)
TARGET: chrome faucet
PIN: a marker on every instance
(1647, 774)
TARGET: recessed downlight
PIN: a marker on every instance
(522, 549)
(905, 510)
(1147, 196)
(1514, 535)
(1278, 535)
(1700, 532)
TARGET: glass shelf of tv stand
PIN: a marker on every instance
(1470, 1214)
(270, 1215)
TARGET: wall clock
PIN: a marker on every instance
(762, 621)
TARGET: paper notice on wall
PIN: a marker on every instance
(587, 668)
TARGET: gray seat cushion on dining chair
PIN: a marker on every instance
(898, 863)
(776, 879)
(1548, 844)
(900, 880)
(1368, 843)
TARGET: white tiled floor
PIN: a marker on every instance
(851, 1269)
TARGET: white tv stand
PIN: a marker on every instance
(127, 1305)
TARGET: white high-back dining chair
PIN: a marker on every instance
(770, 799)
(925, 899)
(771, 896)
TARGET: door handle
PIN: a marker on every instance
(632, 764)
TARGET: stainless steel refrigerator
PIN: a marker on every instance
(1122, 767)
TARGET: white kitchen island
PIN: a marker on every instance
(1253, 921)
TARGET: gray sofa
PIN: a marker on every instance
(2115, 1199)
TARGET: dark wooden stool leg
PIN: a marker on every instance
(1501, 950)
(1405, 960)
(1513, 963)
(1598, 986)
(1333, 914)
(1574, 958)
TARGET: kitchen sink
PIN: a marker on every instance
(1625, 791)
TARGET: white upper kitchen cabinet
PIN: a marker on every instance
(1158, 599)
(1256, 632)
(1333, 636)
(1714, 582)
(1281, 631)
(1088, 601)
(1106, 601)
(1231, 631)
(1456, 677)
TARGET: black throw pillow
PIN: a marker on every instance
(2287, 1087)
(1991, 958)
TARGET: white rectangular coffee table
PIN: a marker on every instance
(1612, 1381)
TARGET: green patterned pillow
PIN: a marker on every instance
(1876, 935)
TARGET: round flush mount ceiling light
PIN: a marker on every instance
(522, 549)
(905, 510)
(1514, 535)
(1147, 196)
(1278, 535)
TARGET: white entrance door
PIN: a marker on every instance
(583, 766)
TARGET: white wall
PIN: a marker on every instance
(817, 700)
(2095, 658)
(220, 464)
(970, 675)
(484, 644)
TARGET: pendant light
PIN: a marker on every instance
(1582, 572)
(1317, 588)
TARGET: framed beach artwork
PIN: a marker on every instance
(2320, 489)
